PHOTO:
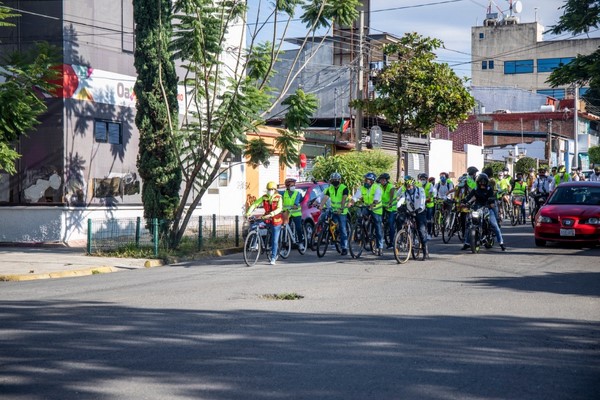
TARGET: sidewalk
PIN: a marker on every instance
(28, 263)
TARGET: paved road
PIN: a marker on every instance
(524, 324)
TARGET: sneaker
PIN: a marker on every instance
(466, 246)
(379, 252)
(272, 261)
(344, 252)
(502, 247)
(301, 247)
(390, 246)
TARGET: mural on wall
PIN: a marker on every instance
(42, 185)
(118, 185)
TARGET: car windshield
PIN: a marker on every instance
(584, 195)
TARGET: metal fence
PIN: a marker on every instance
(204, 233)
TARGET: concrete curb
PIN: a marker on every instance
(104, 269)
(60, 274)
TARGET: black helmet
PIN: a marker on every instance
(385, 176)
(472, 170)
(482, 178)
(422, 175)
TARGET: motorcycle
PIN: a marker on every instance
(480, 228)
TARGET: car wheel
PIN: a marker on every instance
(309, 229)
(540, 242)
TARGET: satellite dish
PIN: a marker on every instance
(518, 7)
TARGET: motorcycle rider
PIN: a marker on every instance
(484, 197)
(338, 193)
(370, 192)
(414, 198)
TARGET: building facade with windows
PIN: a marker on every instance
(80, 162)
(512, 54)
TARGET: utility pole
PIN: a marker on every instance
(359, 92)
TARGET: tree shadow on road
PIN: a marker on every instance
(80, 350)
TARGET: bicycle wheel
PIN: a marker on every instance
(516, 219)
(303, 245)
(323, 242)
(460, 229)
(402, 246)
(285, 242)
(415, 249)
(252, 248)
(437, 223)
(449, 230)
(321, 226)
(355, 243)
(368, 238)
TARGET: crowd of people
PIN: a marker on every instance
(415, 198)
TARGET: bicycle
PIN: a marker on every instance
(257, 241)
(362, 233)
(406, 241)
(453, 225)
(329, 233)
(506, 209)
(539, 200)
(439, 217)
(288, 238)
(517, 202)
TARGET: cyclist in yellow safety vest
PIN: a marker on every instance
(429, 200)
(370, 193)
(520, 191)
(560, 177)
(338, 193)
(471, 175)
(291, 205)
(388, 198)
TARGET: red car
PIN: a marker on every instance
(312, 193)
(571, 214)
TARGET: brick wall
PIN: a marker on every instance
(468, 132)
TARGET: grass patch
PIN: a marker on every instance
(282, 296)
(95, 272)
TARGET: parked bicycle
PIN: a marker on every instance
(406, 240)
(257, 241)
(362, 236)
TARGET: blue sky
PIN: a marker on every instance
(450, 21)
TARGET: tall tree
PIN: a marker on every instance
(579, 17)
(157, 110)
(416, 92)
(226, 85)
(24, 78)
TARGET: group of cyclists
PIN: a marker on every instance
(388, 204)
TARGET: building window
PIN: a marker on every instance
(550, 64)
(481, 35)
(107, 132)
(518, 67)
(484, 65)
(491, 64)
(558, 94)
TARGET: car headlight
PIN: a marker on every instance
(593, 221)
(544, 220)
